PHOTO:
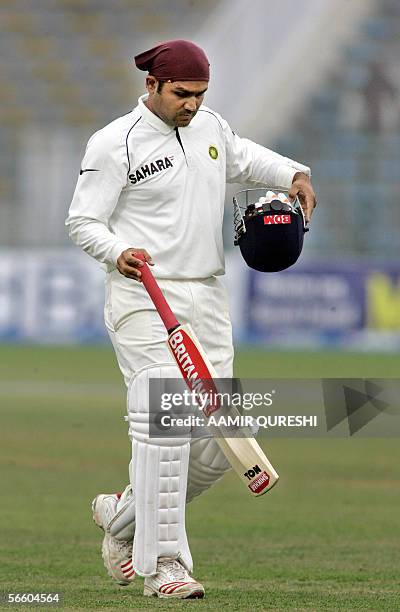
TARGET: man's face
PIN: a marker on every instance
(175, 103)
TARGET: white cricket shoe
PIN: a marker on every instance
(172, 581)
(117, 554)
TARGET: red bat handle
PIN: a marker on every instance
(168, 318)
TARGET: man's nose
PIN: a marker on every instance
(190, 104)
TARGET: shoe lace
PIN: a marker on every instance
(173, 566)
(123, 547)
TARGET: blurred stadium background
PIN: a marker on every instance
(318, 81)
(326, 96)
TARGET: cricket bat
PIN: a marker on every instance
(242, 451)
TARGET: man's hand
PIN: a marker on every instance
(129, 265)
(302, 187)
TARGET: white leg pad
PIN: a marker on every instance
(207, 465)
(159, 479)
(122, 525)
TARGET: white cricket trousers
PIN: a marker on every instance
(139, 336)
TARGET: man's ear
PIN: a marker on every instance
(151, 84)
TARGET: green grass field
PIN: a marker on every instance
(326, 538)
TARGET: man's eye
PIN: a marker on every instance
(180, 94)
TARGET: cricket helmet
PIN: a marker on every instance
(269, 229)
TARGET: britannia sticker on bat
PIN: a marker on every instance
(193, 368)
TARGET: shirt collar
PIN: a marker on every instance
(151, 118)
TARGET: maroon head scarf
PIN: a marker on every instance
(175, 60)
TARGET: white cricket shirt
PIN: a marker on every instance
(144, 184)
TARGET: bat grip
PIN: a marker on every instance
(157, 297)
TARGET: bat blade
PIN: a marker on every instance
(250, 463)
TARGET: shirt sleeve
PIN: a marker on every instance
(102, 177)
(248, 162)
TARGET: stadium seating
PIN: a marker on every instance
(67, 63)
(350, 136)
(61, 66)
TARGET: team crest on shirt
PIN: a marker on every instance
(213, 152)
(147, 170)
